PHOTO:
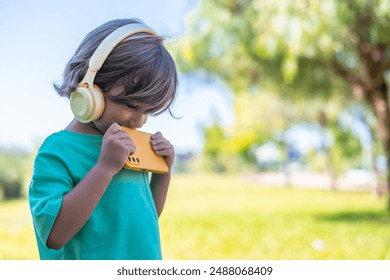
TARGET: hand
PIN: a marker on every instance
(116, 147)
(163, 147)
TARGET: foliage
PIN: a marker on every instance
(222, 153)
(15, 170)
(306, 51)
(298, 48)
(233, 148)
(258, 116)
(350, 149)
(255, 44)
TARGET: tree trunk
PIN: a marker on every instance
(325, 149)
(376, 188)
(373, 88)
(378, 100)
(388, 177)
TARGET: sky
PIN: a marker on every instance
(38, 39)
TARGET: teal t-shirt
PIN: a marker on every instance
(124, 224)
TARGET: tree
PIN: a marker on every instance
(15, 169)
(305, 50)
(257, 118)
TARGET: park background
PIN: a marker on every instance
(283, 133)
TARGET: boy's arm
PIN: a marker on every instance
(159, 185)
(160, 182)
(78, 204)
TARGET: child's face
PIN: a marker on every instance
(133, 115)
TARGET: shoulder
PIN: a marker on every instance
(53, 139)
(59, 146)
(68, 148)
(69, 139)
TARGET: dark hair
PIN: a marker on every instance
(140, 64)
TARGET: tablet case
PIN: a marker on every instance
(144, 158)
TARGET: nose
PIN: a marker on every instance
(139, 120)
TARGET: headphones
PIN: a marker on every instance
(87, 101)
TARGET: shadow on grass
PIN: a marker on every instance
(356, 216)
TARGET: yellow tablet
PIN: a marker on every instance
(144, 158)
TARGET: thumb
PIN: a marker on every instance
(114, 128)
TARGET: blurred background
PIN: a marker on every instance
(283, 137)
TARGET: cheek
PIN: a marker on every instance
(119, 117)
(113, 114)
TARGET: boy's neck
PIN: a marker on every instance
(86, 128)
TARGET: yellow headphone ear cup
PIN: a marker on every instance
(87, 105)
(99, 102)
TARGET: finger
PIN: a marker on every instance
(122, 135)
(157, 139)
(165, 152)
(157, 135)
(131, 147)
(161, 146)
(114, 128)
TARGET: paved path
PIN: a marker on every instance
(312, 180)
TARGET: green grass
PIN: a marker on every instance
(226, 217)
(17, 240)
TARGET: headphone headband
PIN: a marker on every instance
(108, 44)
(87, 101)
(105, 47)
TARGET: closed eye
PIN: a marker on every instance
(131, 106)
(136, 107)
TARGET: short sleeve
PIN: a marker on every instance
(50, 182)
